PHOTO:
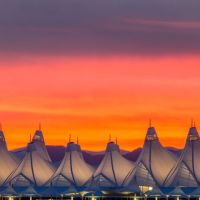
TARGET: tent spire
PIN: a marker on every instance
(70, 137)
(116, 140)
(191, 122)
(109, 137)
(77, 140)
(39, 126)
(149, 123)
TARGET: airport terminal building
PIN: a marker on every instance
(157, 173)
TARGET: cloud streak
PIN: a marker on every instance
(164, 24)
(100, 27)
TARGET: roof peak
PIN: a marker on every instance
(150, 123)
(112, 146)
(31, 147)
(38, 136)
(39, 126)
(72, 146)
(193, 133)
(151, 134)
(70, 139)
(2, 138)
(193, 123)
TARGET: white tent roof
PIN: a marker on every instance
(154, 163)
(188, 169)
(73, 169)
(2, 138)
(113, 169)
(7, 162)
(38, 139)
(33, 169)
(191, 153)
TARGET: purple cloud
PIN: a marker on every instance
(100, 27)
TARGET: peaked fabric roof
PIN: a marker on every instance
(191, 153)
(2, 138)
(7, 162)
(154, 163)
(73, 169)
(38, 139)
(113, 169)
(33, 169)
(188, 170)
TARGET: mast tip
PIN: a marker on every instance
(39, 127)
(77, 141)
(150, 123)
(109, 137)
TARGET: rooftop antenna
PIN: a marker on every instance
(39, 126)
(192, 123)
(30, 137)
(70, 137)
(149, 123)
(109, 137)
(0, 127)
(77, 140)
(116, 140)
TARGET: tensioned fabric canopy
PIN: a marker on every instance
(73, 169)
(7, 163)
(38, 139)
(188, 169)
(154, 164)
(155, 168)
(33, 169)
(113, 169)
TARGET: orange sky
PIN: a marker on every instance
(91, 97)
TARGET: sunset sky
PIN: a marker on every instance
(97, 67)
